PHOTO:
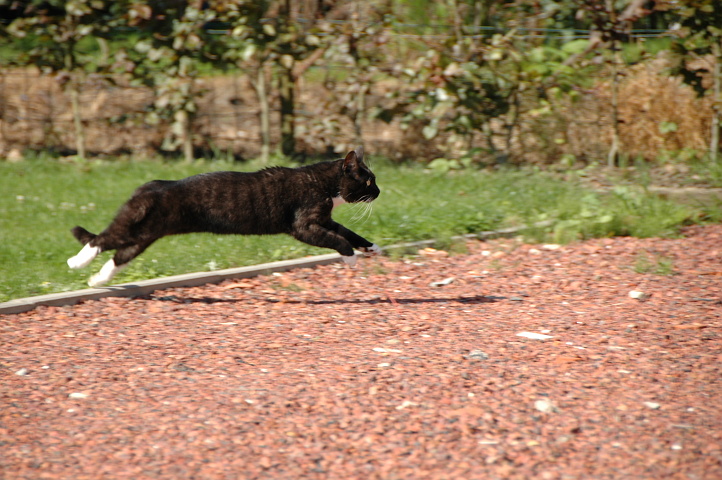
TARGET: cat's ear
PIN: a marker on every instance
(360, 153)
(354, 160)
(351, 163)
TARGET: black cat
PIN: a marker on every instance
(295, 201)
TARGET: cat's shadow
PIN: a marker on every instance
(342, 301)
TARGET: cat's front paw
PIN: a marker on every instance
(349, 260)
(371, 251)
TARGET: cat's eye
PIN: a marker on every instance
(368, 182)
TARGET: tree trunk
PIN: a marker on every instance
(716, 102)
(359, 115)
(187, 137)
(259, 85)
(613, 155)
(72, 87)
(77, 120)
(286, 88)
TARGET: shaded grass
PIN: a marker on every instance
(41, 199)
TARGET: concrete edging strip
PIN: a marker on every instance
(146, 287)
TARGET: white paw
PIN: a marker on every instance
(372, 250)
(105, 274)
(97, 280)
(75, 262)
(350, 260)
(84, 257)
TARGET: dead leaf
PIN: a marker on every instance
(691, 326)
(470, 410)
(432, 252)
(238, 285)
(563, 359)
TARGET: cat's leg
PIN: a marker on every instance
(88, 252)
(120, 260)
(357, 241)
(320, 236)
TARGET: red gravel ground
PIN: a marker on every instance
(374, 373)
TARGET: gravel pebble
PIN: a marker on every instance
(637, 295)
(545, 406)
(477, 355)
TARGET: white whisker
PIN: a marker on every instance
(362, 212)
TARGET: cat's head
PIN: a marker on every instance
(358, 183)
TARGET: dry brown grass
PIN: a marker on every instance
(648, 99)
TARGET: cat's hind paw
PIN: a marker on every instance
(84, 257)
(371, 251)
(349, 260)
(105, 274)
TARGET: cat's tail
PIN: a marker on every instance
(82, 235)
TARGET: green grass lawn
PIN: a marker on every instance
(40, 200)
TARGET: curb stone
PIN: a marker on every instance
(146, 287)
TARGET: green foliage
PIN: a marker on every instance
(700, 34)
(173, 46)
(463, 85)
(55, 29)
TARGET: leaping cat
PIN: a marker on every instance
(294, 201)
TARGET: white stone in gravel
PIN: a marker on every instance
(545, 406)
(652, 405)
(551, 246)
(636, 294)
(406, 403)
(477, 355)
(443, 282)
(22, 372)
(386, 350)
(533, 336)
(78, 395)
